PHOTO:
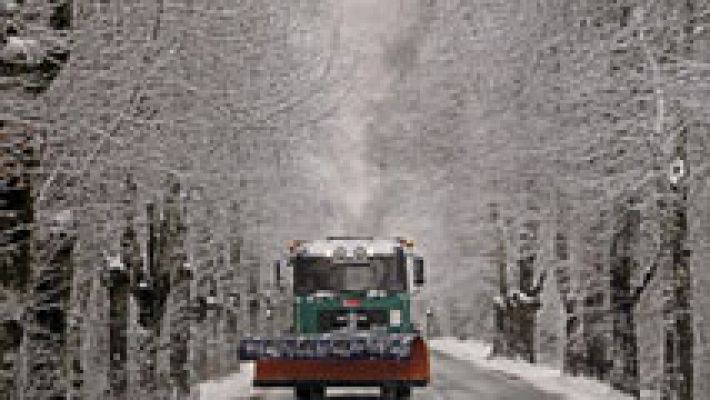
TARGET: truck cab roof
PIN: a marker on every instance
(349, 245)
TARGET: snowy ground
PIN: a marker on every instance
(236, 386)
(544, 377)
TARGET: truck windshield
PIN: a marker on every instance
(320, 273)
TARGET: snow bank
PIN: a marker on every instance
(236, 386)
(541, 376)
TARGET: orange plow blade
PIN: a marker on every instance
(288, 372)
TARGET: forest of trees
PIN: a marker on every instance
(154, 166)
(583, 127)
(157, 154)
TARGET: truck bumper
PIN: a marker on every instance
(413, 371)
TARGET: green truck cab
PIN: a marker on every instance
(353, 284)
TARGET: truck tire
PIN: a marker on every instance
(309, 392)
(301, 393)
(400, 392)
(318, 393)
(404, 393)
(388, 392)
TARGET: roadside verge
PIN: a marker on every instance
(543, 377)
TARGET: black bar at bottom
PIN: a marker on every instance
(338, 383)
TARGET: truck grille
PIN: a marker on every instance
(332, 320)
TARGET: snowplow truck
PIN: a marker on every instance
(352, 320)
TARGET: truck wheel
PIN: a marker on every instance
(388, 392)
(309, 393)
(404, 393)
(301, 393)
(317, 393)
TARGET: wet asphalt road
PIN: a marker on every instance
(452, 379)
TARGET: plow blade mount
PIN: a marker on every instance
(355, 346)
(410, 371)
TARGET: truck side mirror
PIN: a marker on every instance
(418, 271)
